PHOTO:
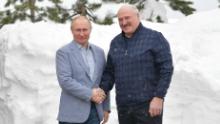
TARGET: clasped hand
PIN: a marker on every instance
(98, 95)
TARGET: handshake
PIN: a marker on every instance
(98, 95)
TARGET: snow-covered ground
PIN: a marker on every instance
(29, 92)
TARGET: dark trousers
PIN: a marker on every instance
(93, 117)
(137, 114)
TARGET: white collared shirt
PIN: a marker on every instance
(88, 58)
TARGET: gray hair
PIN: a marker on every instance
(78, 17)
(131, 7)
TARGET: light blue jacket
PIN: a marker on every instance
(76, 84)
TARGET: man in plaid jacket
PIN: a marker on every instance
(140, 65)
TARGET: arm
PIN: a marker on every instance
(164, 68)
(106, 108)
(164, 65)
(108, 78)
(106, 103)
(66, 82)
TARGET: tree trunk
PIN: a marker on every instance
(31, 4)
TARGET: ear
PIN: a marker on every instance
(138, 15)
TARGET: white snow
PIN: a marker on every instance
(153, 9)
(205, 5)
(109, 9)
(29, 92)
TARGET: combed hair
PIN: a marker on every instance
(130, 6)
(80, 16)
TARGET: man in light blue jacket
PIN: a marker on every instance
(79, 67)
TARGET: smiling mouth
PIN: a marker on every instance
(124, 26)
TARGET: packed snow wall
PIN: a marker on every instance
(29, 91)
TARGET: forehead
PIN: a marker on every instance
(126, 12)
(81, 23)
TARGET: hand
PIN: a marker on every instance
(156, 106)
(105, 118)
(98, 95)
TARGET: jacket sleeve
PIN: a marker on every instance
(108, 78)
(66, 82)
(106, 103)
(164, 65)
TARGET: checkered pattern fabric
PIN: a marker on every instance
(140, 67)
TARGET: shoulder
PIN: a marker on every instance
(150, 31)
(97, 48)
(65, 48)
(156, 36)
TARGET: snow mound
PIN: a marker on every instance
(29, 92)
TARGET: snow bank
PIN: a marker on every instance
(195, 91)
(29, 92)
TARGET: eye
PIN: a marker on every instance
(81, 30)
(78, 30)
(127, 17)
(85, 30)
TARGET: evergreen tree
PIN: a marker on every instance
(22, 10)
(27, 9)
(56, 13)
(181, 5)
(82, 7)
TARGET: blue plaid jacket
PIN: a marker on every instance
(140, 67)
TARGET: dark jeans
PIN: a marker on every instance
(93, 117)
(137, 114)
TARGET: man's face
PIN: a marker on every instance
(81, 30)
(128, 21)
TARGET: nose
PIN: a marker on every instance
(123, 22)
(81, 33)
